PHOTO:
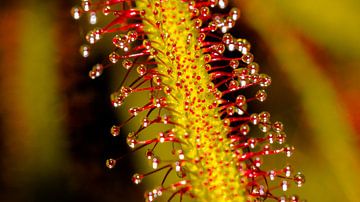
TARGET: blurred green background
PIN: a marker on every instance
(54, 120)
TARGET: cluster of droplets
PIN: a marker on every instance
(229, 76)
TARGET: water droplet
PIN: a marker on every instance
(181, 154)
(282, 199)
(141, 69)
(244, 129)
(265, 80)
(110, 163)
(266, 149)
(247, 58)
(272, 175)
(115, 130)
(264, 127)
(85, 4)
(131, 141)
(234, 13)
(220, 48)
(234, 64)
(254, 118)
(253, 68)
(261, 95)
(198, 23)
(207, 58)
(213, 26)
(287, 171)
(204, 12)
(137, 178)
(233, 85)
(278, 126)
(93, 36)
(106, 10)
(229, 22)
(230, 111)
(96, 71)
(264, 117)
(121, 42)
(294, 198)
(240, 100)
(222, 4)
(228, 39)
(149, 154)
(155, 162)
(85, 50)
(270, 136)
(132, 35)
(127, 64)
(299, 179)
(114, 57)
(76, 12)
(284, 185)
(257, 162)
(288, 151)
(92, 18)
(281, 137)
(252, 142)
(145, 122)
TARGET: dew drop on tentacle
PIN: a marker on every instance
(155, 162)
(115, 130)
(254, 118)
(278, 126)
(114, 57)
(281, 137)
(272, 175)
(294, 198)
(234, 64)
(127, 64)
(137, 178)
(110, 163)
(261, 95)
(149, 154)
(86, 4)
(96, 71)
(223, 4)
(287, 171)
(85, 50)
(244, 129)
(299, 179)
(284, 185)
(247, 58)
(76, 12)
(92, 18)
(234, 13)
(253, 67)
(288, 150)
(265, 80)
(141, 69)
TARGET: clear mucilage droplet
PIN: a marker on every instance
(137, 178)
(110, 163)
(76, 12)
(85, 50)
(299, 179)
(115, 130)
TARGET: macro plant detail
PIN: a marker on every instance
(198, 77)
